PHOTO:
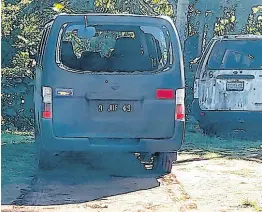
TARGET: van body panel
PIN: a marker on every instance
(244, 93)
(52, 143)
(241, 124)
(79, 115)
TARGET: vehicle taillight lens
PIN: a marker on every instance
(47, 103)
(180, 105)
(165, 94)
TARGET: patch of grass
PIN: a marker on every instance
(27, 133)
(150, 206)
(211, 155)
(248, 204)
(251, 204)
(10, 138)
(240, 172)
(212, 147)
(97, 206)
(18, 159)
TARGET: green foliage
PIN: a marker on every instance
(29, 31)
(17, 101)
(9, 31)
(9, 15)
(142, 7)
(8, 51)
(225, 25)
(254, 22)
(23, 20)
(21, 60)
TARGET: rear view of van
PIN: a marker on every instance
(227, 90)
(110, 83)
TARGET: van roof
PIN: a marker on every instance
(103, 14)
(238, 37)
(124, 16)
(108, 14)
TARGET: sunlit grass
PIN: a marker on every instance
(211, 155)
(17, 133)
(240, 172)
(18, 152)
(214, 147)
(251, 204)
(16, 138)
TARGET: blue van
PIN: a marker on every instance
(110, 83)
(227, 87)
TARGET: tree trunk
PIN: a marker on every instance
(181, 19)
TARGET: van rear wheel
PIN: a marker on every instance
(163, 162)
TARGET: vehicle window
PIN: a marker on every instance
(202, 59)
(114, 49)
(237, 54)
(42, 46)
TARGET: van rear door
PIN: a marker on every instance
(120, 83)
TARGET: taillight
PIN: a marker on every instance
(47, 103)
(180, 105)
(165, 94)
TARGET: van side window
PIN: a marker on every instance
(42, 46)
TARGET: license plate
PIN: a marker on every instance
(235, 86)
(114, 108)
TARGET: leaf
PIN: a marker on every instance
(108, 4)
(155, 1)
(58, 7)
(233, 18)
(257, 9)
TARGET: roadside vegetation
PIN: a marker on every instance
(23, 21)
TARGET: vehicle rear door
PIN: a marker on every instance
(231, 90)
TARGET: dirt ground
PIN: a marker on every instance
(211, 174)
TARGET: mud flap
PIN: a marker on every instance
(46, 160)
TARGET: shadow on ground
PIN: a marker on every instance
(77, 179)
(212, 147)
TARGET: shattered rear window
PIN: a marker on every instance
(115, 49)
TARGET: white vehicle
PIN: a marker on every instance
(227, 86)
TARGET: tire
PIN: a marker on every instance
(163, 162)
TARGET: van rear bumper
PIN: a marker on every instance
(248, 122)
(51, 143)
